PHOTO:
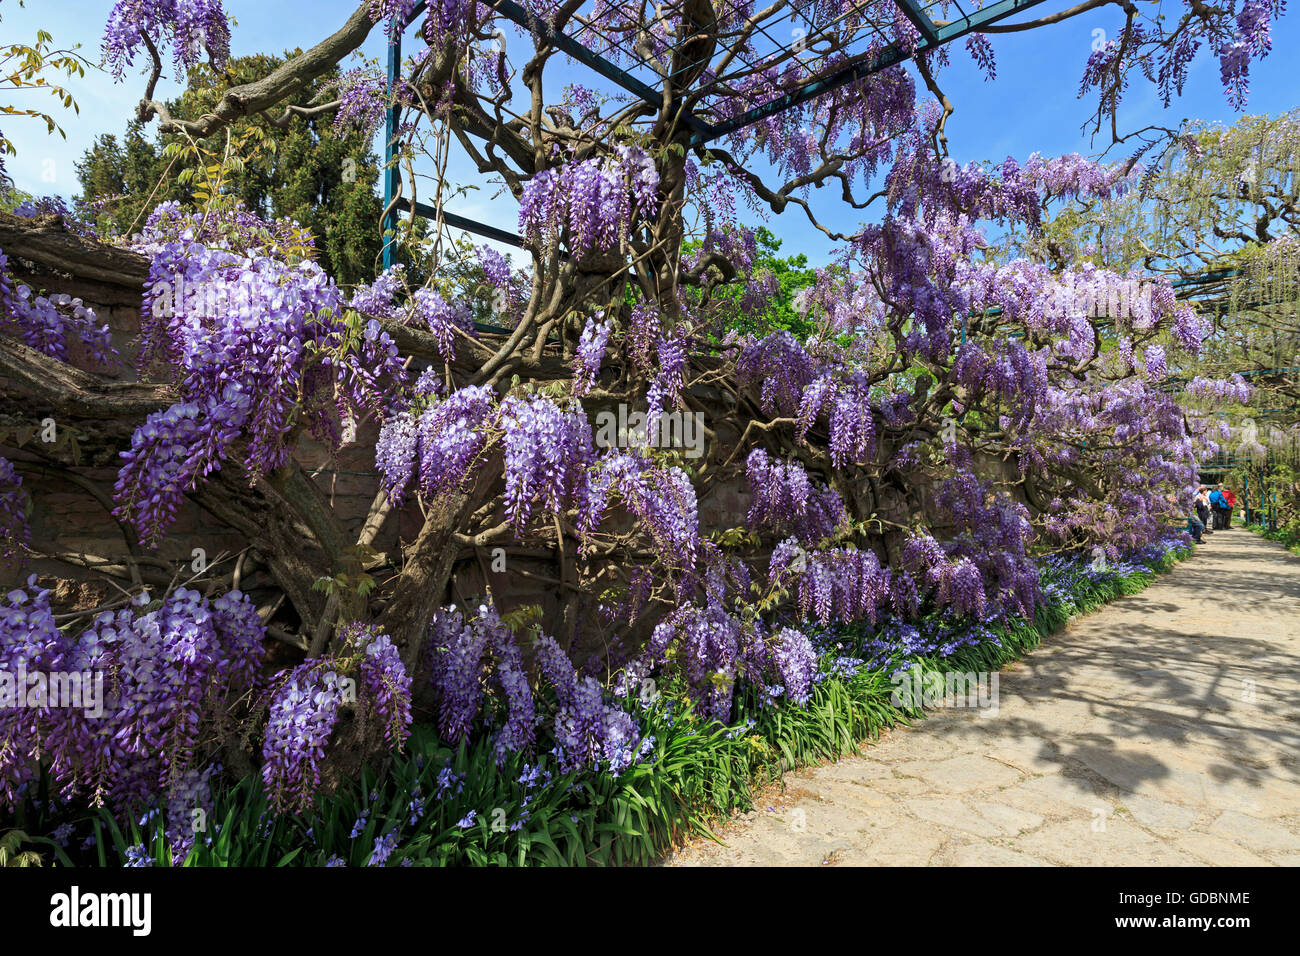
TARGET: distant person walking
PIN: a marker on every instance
(1231, 499)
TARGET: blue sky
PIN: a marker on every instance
(1031, 106)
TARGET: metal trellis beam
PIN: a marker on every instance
(425, 211)
(933, 35)
(919, 20)
(891, 56)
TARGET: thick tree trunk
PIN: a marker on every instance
(427, 566)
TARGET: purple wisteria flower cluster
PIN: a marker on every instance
(49, 323)
(384, 682)
(785, 499)
(589, 354)
(258, 346)
(298, 729)
(1237, 32)
(548, 453)
(436, 445)
(441, 318)
(795, 661)
(984, 568)
(843, 584)
(14, 529)
(501, 278)
(1011, 375)
(362, 96)
(1233, 389)
(711, 650)
(465, 656)
(847, 407)
(666, 388)
(661, 497)
(589, 731)
(310, 699)
(642, 338)
(377, 298)
(592, 203)
(781, 367)
(1141, 452)
(156, 686)
(190, 25)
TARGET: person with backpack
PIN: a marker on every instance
(1219, 507)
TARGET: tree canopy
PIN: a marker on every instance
(307, 170)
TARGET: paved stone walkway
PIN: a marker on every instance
(1163, 729)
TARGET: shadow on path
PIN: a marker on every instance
(1163, 729)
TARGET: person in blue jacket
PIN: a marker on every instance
(1218, 505)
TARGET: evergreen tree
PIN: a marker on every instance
(308, 171)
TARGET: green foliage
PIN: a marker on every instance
(779, 311)
(12, 853)
(1277, 474)
(322, 179)
(27, 68)
(1288, 537)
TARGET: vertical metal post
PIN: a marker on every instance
(392, 173)
(1263, 503)
(1245, 495)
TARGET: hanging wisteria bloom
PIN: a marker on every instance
(590, 353)
(308, 703)
(589, 732)
(662, 498)
(190, 26)
(848, 408)
(169, 679)
(441, 318)
(1157, 367)
(796, 662)
(258, 345)
(781, 367)
(14, 530)
(667, 385)
(784, 497)
(437, 445)
(49, 323)
(592, 203)
(385, 685)
(362, 97)
(377, 298)
(466, 656)
(1234, 389)
(302, 718)
(548, 452)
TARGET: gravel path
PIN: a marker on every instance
(1162, 730)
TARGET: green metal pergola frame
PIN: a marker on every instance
(933, 34)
